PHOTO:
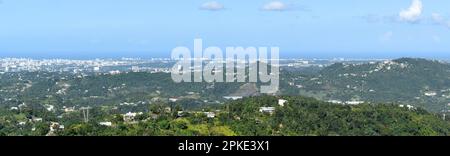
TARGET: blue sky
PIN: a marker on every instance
(301, 28)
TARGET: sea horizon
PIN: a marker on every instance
(327, 55)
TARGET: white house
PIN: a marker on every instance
(68, 109)
(407, 106)
(269, 110)
(37, 119)
(410, 107)
(430, 93)
(96, 69)
(335, 101)
(210, 114)
(109, 124)
(354, 102)
(282, 102)
(173, 99)
(129, 116)
(233, 97)
(49, 107)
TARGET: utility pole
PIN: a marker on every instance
(445, 111)
(85, 111)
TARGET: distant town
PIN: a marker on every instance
(114, 66)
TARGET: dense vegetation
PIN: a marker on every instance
(307, 116)
(300, 116)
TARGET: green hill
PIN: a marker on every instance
(308, 116)
(419, 82)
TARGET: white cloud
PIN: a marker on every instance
(413, 13)
(438, 19)
(212, 6)
(275, 6)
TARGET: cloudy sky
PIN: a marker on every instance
(301, 28)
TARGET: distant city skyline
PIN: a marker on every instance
(301, 28)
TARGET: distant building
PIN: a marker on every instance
(114, 72)
(232, 97)
(135, 69)
(335, 101)
(269, 110)
(210, 114)
(282, 102)
(407, 106)
(180, 113)
(108, 124)
(430, 93)
(173, 99)
(354, 102)
(37, 119)
(22, 105)
(49, 107)
(69, 109)
(129, 117)
(96, 69)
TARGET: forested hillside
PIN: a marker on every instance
(419, 82)
(299, 116)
